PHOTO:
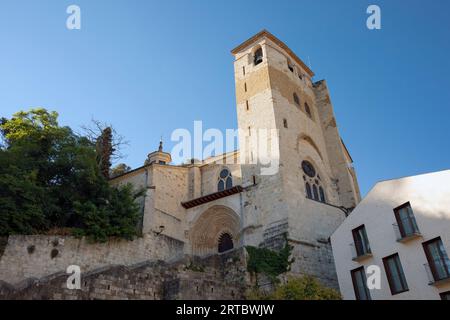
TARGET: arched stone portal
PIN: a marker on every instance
(215, 230)
(225, 243)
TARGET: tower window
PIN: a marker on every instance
(243, 70)
(246, 105)
(225, 180)
(296, 99)
(308, 110)
(285, 123)
(258, 57)
(290, 65)
(245, 86)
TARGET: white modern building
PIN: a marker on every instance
(403, 227)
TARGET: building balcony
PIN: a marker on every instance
(438, 272)
(406, 234)
(360, 254)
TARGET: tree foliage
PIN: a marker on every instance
(297, 288)
(119, 169)
(105, 151)
(50, 177)
(269, 262)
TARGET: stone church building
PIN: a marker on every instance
(213, 206)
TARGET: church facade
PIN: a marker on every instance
(222, 203)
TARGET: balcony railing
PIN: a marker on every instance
(361, 254)
(406, 230)
(438, 271)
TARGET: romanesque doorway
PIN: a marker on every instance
(216, 230)
(225, 243)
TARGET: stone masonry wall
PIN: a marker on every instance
(39, 256)
(315, 260)
(214, 277)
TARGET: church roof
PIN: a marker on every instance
(281, 44)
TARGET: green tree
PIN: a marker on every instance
(49, 174)
(297, 288)
(119, 169)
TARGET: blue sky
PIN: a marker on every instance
(149, 67)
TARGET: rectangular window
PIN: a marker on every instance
(285, 124)
(243, 70)
(406, 221)
(445, 295)
(437, 259)
(246, 105)
(245, 86)
(361, 241)
(360, 284)
(395, 275)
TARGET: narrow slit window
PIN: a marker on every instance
(308, 110)
(296, 99)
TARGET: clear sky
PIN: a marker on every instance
(149, 67)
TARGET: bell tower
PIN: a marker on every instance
(314, 183)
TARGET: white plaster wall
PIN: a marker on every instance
(429, 195)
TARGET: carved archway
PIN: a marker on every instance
(216, 230)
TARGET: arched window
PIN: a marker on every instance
(308, 191)
(258, 57)
(225, 243)
(308, 110)
(313, 183)
(315, 193)
(296, 99)
(322, 195)
(225, 180)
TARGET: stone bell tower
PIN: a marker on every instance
(159, 157)
(315, 185)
